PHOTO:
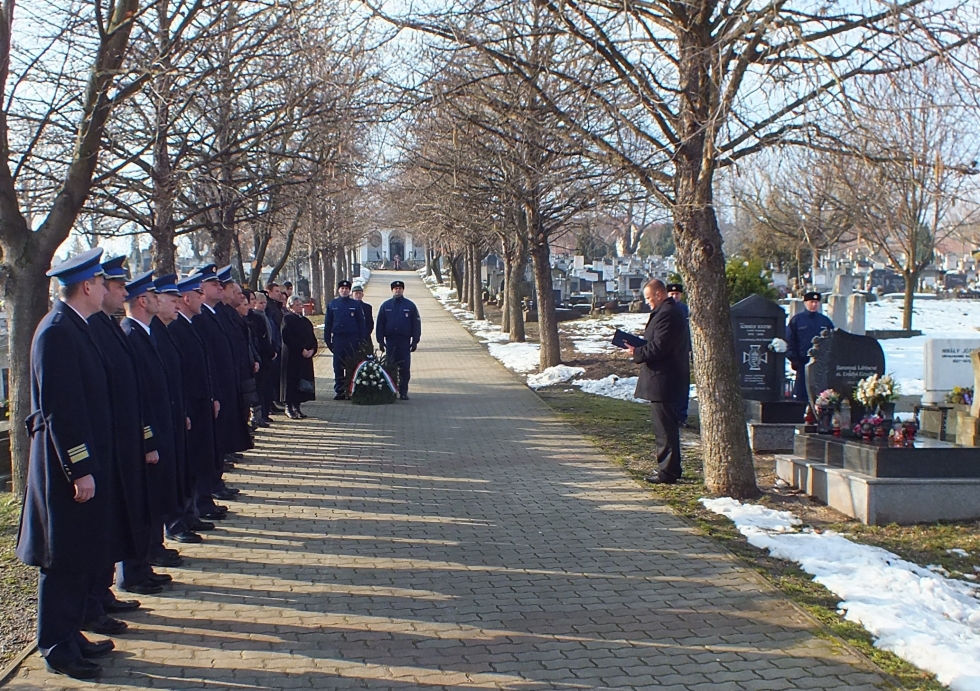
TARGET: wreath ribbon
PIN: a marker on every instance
(385, 376)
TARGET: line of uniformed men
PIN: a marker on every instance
(133, 424)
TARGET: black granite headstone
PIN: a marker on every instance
(756, 321)
(838, 361)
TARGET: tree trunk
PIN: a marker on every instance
(456, 272)
(164, 228)
(505, 308)
(547, 321)
(436, 268)
(329, 279)
(316, 280)
(477, 284)
(26, 295)
(428, 262)
(728, 465)
(911, 278)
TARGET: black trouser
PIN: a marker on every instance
(343, 347)
(99, 593)
(399, 350)
(664, 417)
(61, 604)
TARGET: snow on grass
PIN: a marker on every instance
(520, 357)
(921, 616)
(611, 387)
(554, 375)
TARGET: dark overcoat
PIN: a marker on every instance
(133, 436)
(231, 428)
(170, 355)
(368, 320)
(195, 377)
(297, 334)
(663, 359)
(162, 478)
(71, 437)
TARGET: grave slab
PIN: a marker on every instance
(946, 363)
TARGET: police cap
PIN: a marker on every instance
(224, 275)
(398, 284)
(357, 288)
(189, 284)
(208, 272)
(79, 268)
(343, 284)
(675, 288)
(166, 284)
(812, 295)
(115, 268)
(140, 285)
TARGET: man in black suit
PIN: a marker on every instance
(664, 366)
(357, 292)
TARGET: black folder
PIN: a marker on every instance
(621, 339)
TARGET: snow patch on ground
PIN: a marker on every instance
(921, 616)
(520, 357)
(554, 375)
(611, 386)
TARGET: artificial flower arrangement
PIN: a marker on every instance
(960, 395)
(870, 426)
(371, 384)
(873, 391)
(829, 400)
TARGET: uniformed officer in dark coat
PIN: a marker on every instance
(75, 519)
(142, 303)
(168, 296)
(357, 292)
(802, 329)
(260, 329)
(134, 441)
(238, 335)
(231, 428)
(399, 331)
(343, 332)
(202, 409)
(675, 291)
(663, 365)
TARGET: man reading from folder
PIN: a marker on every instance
(663, 370)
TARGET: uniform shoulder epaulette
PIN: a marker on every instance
(57, 317)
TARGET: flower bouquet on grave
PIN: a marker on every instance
(870, 426)
(960, 395)
(878, 394)
(828, 403)
(371, 383)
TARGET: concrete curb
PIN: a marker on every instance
(14, 664)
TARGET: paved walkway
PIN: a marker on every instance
(463, 539)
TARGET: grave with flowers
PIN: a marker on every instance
(865, 460)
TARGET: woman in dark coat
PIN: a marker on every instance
(298, 337)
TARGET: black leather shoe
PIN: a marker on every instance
(215, 516)
(224, 495)
(293, 415)
(166, 562)
(339, 397)
(404, 396)
(660, 480)
(228, 466)
(160, 578)
(187, 537)
(91, 650)
(79, 668)
(144, 588)
(199, 525)
(116, 606)
(274, 408)
(106, 626)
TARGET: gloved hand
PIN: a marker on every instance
(414, 346)
(381, 346)
(330, 346)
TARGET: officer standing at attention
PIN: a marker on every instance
(69, 523)
(675, 291)
(142, 304)
(133, 440)
(357, 292)
(803, 328)
(399, 331)
(343, 332)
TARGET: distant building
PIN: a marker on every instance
(385, 245)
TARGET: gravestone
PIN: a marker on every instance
(946, 363)
(794, 307)
(843, 284)
(756, 321)
(838, 361)
(837, 310)
(856, 314)
(968, 423)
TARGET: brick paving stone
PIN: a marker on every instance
(466, 538)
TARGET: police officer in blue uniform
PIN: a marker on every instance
(71, 523)
(142, 303)
(134, 442)
(202, 410)
(398, 332)
(802, 329)
(343, 332)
